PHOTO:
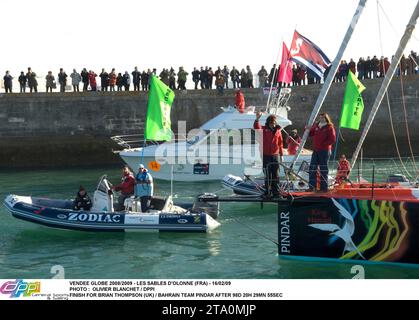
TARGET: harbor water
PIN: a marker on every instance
(243, 247)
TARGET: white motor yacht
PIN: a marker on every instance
(226, 144)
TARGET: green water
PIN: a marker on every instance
(232, 251)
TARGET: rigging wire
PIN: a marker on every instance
(387, 98)
(402, 88)
(252, 229)
(394, 29)
(407, 124)
(391, 25)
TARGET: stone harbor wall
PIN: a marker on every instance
(74, 129)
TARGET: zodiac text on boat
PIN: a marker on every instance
(93, 217)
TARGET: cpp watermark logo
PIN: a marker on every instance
(20, 287)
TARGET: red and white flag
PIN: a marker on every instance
(285, 71)
(305, 52)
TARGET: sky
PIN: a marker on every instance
(50, 34)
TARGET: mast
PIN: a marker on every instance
(329, 79)
(272, 81)
(386, 82)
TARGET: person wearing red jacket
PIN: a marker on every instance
(240, 103)
(344, 168)
(92, 80)
(126, 187)
(293, 141)
(324, 136)
(271, 152)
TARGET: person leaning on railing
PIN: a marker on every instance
(272, 152)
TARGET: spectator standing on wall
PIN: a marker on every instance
(226, 72)
(32, 82)
(243, 79)
(112, 80)
(182, 74)
(210, 78)
(301, 75)
(22, 81)
(119, 82)
(75, 80)
(361, 68)
(172, 79)
(8, 82)
(295, 79)
(204, 78)
(62, 79)
(216, 73)
(273, 76)
(85, 79)
(50, 82)
(367, 68)
(235, 77)
(126, 80)
(136, 79)
(249, 77)
(144, 80)
(352, 66)
(263, 76)
(195, 77)
(164, 76)
(219, 82)
(104, 80)
(150, 73)
(412, 63)
(92, 80)
(375, 66)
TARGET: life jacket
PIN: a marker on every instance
(144, 186)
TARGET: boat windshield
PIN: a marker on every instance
(104, 185)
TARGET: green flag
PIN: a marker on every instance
(158, 123)
(353, 106)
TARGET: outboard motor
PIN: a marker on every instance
(103, 196)
(208, 203)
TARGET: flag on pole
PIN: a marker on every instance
(285, 72)
(353, 105)
(305, 52)
(158, 123)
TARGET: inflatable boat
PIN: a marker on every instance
(163, 214)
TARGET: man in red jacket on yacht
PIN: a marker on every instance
(324, 136)
(271, 152)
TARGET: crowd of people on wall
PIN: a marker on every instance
(202, 78)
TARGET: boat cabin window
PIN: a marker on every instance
(237, 136)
